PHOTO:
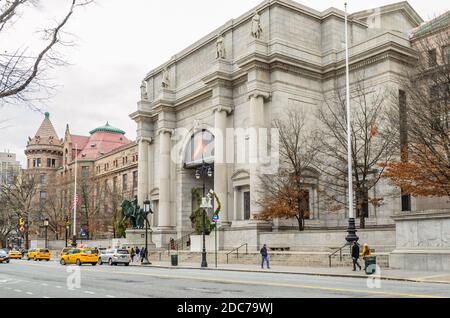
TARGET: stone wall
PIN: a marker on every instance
(423, 241)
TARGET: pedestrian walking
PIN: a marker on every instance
(355, 256)
(265, 257)
(143, 254)
(132, 254)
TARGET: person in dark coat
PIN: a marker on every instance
(264, 256)
(355, 256)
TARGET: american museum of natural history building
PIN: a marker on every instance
(202, 106)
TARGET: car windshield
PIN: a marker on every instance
(44, 251)
(122, 252)
(87, 252)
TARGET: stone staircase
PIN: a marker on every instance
(301, 259)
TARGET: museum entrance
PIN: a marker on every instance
(198, 177)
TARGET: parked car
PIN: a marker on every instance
(65, 250)
(4, 256)
(79, 256)
(115, 256)
(39, 254)
(14, 255)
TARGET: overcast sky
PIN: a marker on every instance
(118, 43)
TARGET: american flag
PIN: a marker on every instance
(75, 200)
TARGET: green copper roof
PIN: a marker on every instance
(439, 22)
(107, 128)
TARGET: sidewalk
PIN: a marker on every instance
(386, 274)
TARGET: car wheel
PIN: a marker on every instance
(127, 264)
(47, 260)
(35, 259)
(7, 262)
(93, 264)
(100, 261)
(62, 262)
(110, 262)
(78, 262)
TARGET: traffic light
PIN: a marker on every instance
(20, 220)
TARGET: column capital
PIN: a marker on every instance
(260, 93)
(226, 109)
(150, 140)
(165, 131)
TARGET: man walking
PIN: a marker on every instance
(265, 257)
(355, 255)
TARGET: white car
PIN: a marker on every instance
(4, 257)
(115, 256)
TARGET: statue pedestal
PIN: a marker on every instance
(137, 238)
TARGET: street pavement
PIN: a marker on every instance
(29, 279)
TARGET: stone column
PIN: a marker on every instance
(257, 121)
(142, 171)
(220, 166)
(164, 213)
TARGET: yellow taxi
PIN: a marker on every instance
(79, 256)
(65, 250)
(15, 255)
(39, 254)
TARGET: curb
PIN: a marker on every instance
(387, 278)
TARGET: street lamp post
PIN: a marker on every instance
(351, 236)
(203, 172)
(46, 232)
(147, 210)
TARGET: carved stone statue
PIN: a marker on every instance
(165, 78)
(220, 47)
(256, 26)
(144, 94)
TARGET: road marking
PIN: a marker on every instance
(45, 297)
(17, 290)
(29, 293)
(243, 282)
(58, 286)
(89, 292)
(110, 296)
(44, 284)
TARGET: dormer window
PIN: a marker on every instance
(93, 145)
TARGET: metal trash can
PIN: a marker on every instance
(174, 260)
(370, 264)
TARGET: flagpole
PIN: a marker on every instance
(75, 200)
(351, 237)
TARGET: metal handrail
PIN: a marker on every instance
(178, 242)
(335, 252)
(237, 250)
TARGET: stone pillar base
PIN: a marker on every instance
(137, 238)
(162, 236)
(434, 260)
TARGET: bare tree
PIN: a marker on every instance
(21, 73)
(422, 117)
(372, 144)
(285, 194)
(17, 196)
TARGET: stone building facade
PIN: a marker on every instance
(9, 167)
(243, 75)
(106, 167)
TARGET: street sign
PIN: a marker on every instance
(215, 218)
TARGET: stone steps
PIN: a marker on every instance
(314, 259)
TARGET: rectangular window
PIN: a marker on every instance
(305, 204)
(135, 179)
(406, 202)
(115, 184)
(38, 163)
(53, 163)
(49, 163)
(446, 54)
(247, 205)
(403, 124)
(432, 58)
(125, 182)
(85, 172)
(43, 178)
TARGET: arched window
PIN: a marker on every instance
(199, 149)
